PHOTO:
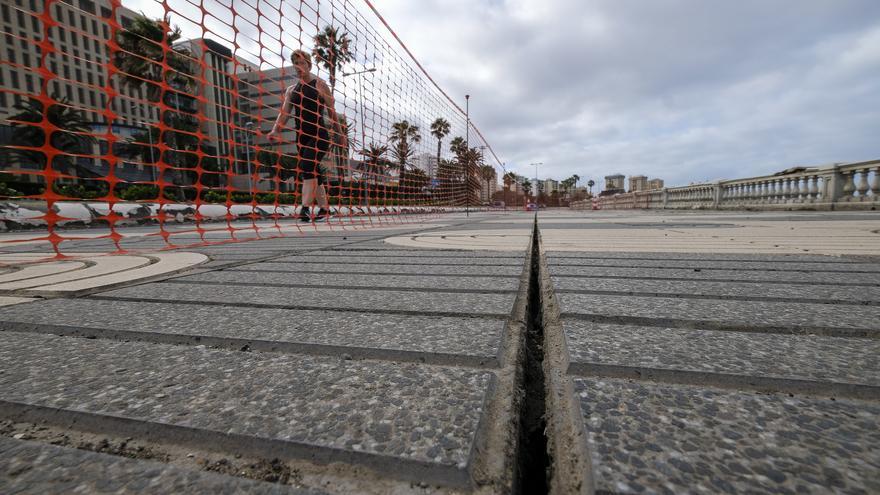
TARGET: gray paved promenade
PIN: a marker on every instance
(421, 358)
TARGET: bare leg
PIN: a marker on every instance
(321, 198)
(308, 192)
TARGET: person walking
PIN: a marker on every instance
(307, 102)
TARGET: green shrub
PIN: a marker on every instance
(139, 192)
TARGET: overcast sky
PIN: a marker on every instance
(683, 90)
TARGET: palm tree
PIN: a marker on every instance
(332, 50)
(487, 172)
(374, 155)
(403, 135)
(575, 178)
(527, 186)
(590, 184)
(73, 137)
(144, 49)
(440, 129)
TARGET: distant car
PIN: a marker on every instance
(531, 207)
(498, 204)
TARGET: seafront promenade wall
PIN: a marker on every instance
(841, 186)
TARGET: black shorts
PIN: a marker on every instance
(311, 151)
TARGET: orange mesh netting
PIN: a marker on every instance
(159, 114)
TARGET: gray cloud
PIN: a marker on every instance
(683, 90)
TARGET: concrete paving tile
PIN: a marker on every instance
(770, 266)
(415, 253)
(504, 270)
(30, 467)
(98, 266)
(676, 439)
(165, 263)
(479, 337)
(233, 276)
(407, 412)
(784, 258)
(405, 260)
(801, 357)
(851, 294)
(731, 275)
(411, 301)
(10, 301)
(730, 312)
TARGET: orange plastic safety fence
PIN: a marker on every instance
(176, 123)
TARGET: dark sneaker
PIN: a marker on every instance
(321, 215)
(304, 215)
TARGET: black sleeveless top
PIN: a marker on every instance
(308, 108)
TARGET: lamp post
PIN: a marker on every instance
(536, 181)
(467, 148)
(360, 94)
(153, 174)
(247, 153)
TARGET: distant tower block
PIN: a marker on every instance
(615, 181)
(655, 184)
(638, 183)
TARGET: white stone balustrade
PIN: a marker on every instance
(838, 186)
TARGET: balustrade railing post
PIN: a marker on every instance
(834, 186)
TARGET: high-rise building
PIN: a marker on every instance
(638, 183)
(80, 79)
(655, 184)
(614, 182)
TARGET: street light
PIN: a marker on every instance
(467, 147)
(361, 100)
(360, 73)
(536, 180)
(247, 153)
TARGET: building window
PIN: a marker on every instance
(87, 5)
(5, 10)
(29, 83)
(106, 13)
(82, 96)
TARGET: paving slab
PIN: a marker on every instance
(491, 270)
(648, 255)
(31, 467)
(479, 338)
(405, 260)
(717, 289)
(788, 315)
(464, 303)
(9, 301)
(766, 266)
(464, 283)
(840, 278)
(394, 417)
(797, 357)
(645, 437)
(413, 253)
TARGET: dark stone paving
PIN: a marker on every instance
(413, 412)
(645, 437)
(389, 268)
(479, 338)
(685, 387)
(765, 266)
(373, 382)
(810, 357)
(783, 315)
(463, 303)
(30, 467)
(814, 293)
(509, 284)
(837, 278)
